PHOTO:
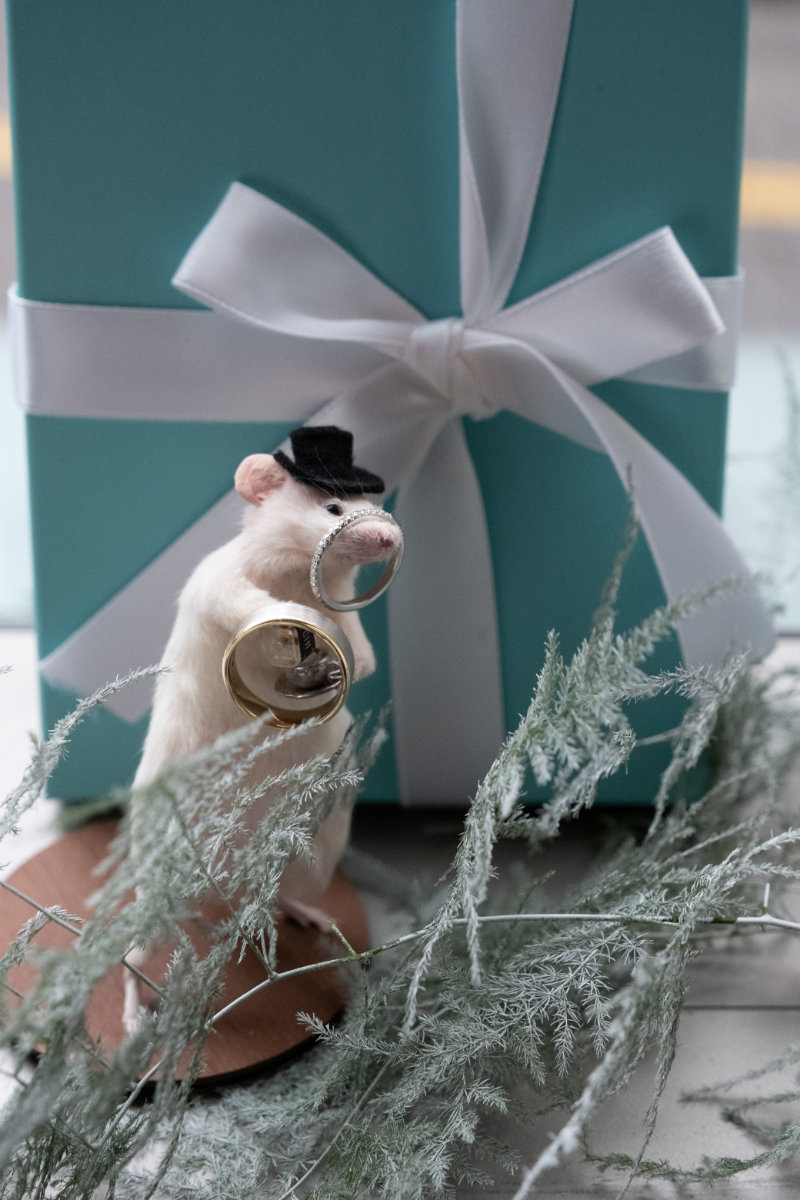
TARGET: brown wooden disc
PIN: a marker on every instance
(262, 1029)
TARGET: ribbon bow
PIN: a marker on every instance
(403, 382)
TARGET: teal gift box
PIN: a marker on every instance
(130, 121)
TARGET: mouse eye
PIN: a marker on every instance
(335, 509)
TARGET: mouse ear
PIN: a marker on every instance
(257, 476)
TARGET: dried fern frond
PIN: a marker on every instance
(498, 1005)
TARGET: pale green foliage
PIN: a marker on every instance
(456, 1027)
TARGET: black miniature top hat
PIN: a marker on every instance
(324, 460)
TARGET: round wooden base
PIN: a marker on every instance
(262, 1029)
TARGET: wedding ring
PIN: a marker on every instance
(289, 661)
(317, 585)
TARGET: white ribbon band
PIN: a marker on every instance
(303, 320)
(148, 364)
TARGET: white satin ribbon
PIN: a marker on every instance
(309, 321)
(168, 364)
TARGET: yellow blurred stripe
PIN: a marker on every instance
(5, 146)
(770, 195)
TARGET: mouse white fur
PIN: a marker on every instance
(268, 561)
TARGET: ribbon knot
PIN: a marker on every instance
(435, 352)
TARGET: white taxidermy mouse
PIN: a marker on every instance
(291, 506)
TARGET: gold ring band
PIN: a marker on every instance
(305, 623)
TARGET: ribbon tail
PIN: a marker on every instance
(131, 630)
(446, 679)
(690, 548)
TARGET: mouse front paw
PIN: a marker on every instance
(363, 666)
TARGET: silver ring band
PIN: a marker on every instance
(317, 586)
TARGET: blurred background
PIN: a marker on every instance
(763, 490)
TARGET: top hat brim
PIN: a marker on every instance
(340, 481)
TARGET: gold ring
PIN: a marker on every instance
(311, 671)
